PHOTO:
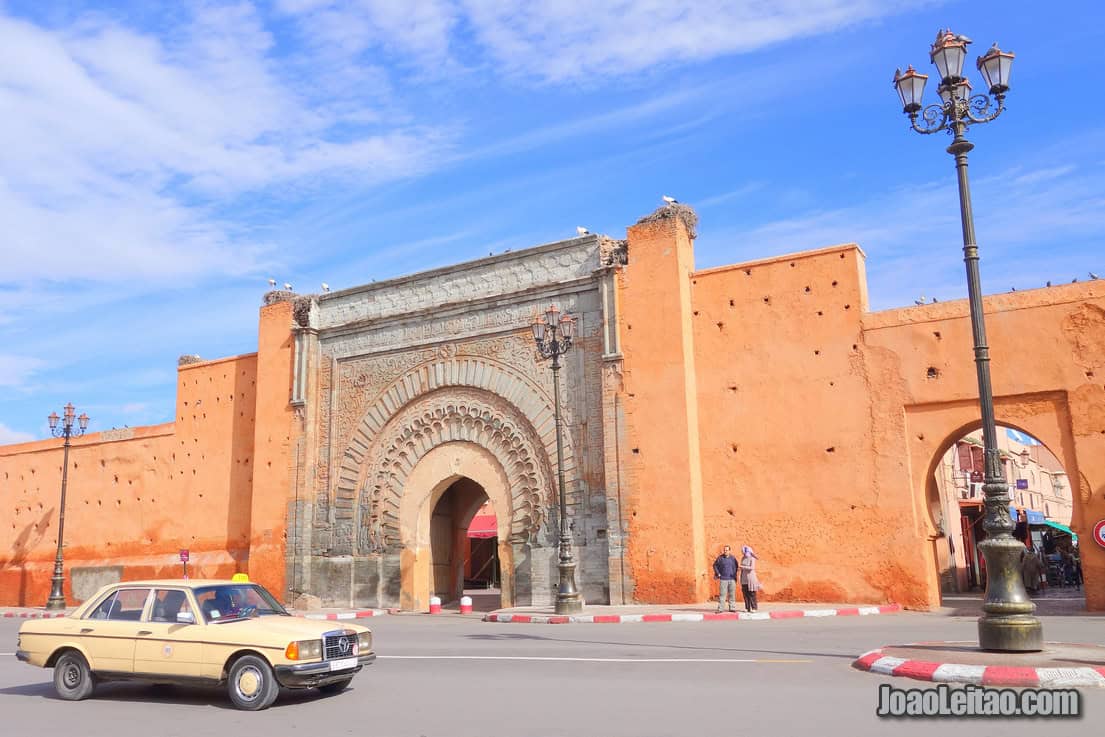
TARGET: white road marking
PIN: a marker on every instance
(591, 660)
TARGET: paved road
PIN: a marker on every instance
(456, 676)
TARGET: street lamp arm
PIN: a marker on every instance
(936, 119)
(983, 109)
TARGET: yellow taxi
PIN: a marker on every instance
(194, 632)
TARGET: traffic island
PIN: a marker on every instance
(1058, 665)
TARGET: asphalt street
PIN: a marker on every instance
(458, 676)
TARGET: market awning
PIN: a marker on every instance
(484, 526)
(1062, 528)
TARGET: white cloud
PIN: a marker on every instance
(121, 146)
(9, 436)
(15, 371)
(573, 39)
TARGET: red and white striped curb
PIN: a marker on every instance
(345, 615)
(981, 675)
(688, 616)
(34, 615)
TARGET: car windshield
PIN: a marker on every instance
(236, 601)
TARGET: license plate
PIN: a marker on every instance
(343, 664)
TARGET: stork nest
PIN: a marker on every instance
(685, 213)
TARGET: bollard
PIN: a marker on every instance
(435, 605)
(466, 605)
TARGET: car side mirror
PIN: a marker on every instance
(185, 618)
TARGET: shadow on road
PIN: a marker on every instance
(212, 697)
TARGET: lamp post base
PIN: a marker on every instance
(56, 601)
(1007, 624)
(568, 599)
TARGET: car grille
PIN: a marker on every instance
(332, 645)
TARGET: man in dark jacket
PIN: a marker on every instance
(725, 571)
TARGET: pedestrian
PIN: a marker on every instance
(725, 572)
(1031, 568)
(750, 583)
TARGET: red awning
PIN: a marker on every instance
(484, 526)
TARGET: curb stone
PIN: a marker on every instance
(688, 616)
(981, 675)
(360, 614)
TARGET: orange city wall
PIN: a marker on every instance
(817, 423)
(136, 496)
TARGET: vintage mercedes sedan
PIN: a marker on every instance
(194, 632)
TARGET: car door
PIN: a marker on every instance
(108, 630)
(165, 646)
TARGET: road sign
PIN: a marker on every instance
(1099, 533)
(184, 556)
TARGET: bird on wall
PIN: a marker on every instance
(272, 283)
(325, 287)
(580, 230)
(920, 301)
(1093, 275)
(668, 199)
(1074, 280)
(287, 286)
(1049, 284)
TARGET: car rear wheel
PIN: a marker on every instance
(73, 680)
(251, 683)
(335, 687)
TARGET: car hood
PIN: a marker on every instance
(292, 628)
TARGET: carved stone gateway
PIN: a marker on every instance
(403, 370)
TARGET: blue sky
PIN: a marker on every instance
(160, 164)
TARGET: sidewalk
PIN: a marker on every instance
(629, 614)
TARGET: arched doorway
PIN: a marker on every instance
(461, 561)
(441, 496)
(1042, 506)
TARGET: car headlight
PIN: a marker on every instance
(364, 642)
(304, 650)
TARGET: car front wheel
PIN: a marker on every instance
(251, 683)
(73, 680)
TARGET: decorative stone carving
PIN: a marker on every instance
(455, 414)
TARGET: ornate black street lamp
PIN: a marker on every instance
(553, 336)
(66, 430)
(1007, 623)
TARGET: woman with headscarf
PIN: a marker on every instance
(750, 584)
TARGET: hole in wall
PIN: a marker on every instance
(767, 300)
(820, 313)
(807, 290)
(1089, 375)
(834, 282)
(842, 255)
(831, 449)
(730, 303)
(855, 347)
(731, 512)
(720, 325)
(696, 313)
(734, 447)
(817, 353)
(792, 264)
(748, 272)
(636, 451)
(932, 372)
(937, 334)
(847, 307)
